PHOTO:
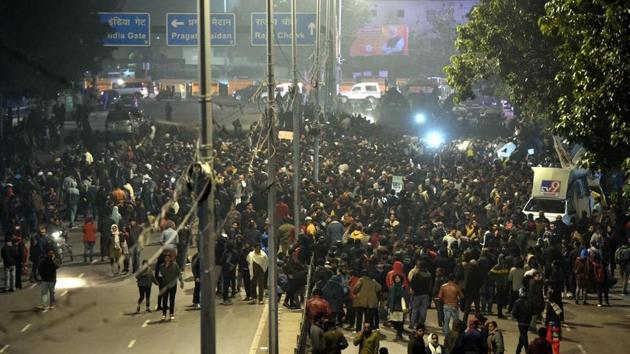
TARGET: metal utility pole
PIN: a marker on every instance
(317, 77)
(338, 72)
(296, 120)
(206, 207)
(271, 200)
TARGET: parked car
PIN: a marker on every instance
(138, 89)
(124, 120)
(370, 91)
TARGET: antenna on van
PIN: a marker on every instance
(563, 155)
(566, 159)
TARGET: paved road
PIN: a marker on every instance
(95, 313)
(188, 112)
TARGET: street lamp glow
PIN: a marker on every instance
(434, 139)
(420, 118)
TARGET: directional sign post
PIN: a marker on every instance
(306, 28)
(128, 29)
(182, 29)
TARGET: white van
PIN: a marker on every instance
(560, 192)
(364, 91)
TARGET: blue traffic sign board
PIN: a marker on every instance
(182, 29)
(306, 28)
(127, 28)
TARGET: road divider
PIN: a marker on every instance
(253, 348)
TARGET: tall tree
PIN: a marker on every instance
(502, 38)
(46, 45)
(594, 53)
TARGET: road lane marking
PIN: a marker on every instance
(95, 261)
(253, 348)
(81, 275)
(131, 343)
(581, 348)
(565, 326)
(32, 286)
(64, 293)
(26, 328)
(6, 346)
(146, 323)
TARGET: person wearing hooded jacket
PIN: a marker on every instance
(397, 295)
(397, 269)
(334, 293)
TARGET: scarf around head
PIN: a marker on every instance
(437, 349)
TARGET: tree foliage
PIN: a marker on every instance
(563, 62)
(46, 45)
(595, 66)
(502, 38)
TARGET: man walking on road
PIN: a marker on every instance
(48, 273)
(134, 243)
(89, 239)
(257, 262)
(450, 294)
(10, 260)
(622, 258)
(522, 312)
(170, 275)
(420, 289)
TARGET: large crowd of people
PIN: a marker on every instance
(452, 238)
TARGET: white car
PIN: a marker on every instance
(370, 91)
(138, 89)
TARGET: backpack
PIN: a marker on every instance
(622, 256)
(600, 272)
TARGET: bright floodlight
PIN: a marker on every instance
(434, 139)
(70, 283)
(420, 118)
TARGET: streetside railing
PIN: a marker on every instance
(304, 325)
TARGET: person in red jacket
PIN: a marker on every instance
(89, 239)
(396, 269)
(317, 305)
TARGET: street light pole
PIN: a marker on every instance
(206, 207)
(271, 200)
(296, 120)
(317, 77)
